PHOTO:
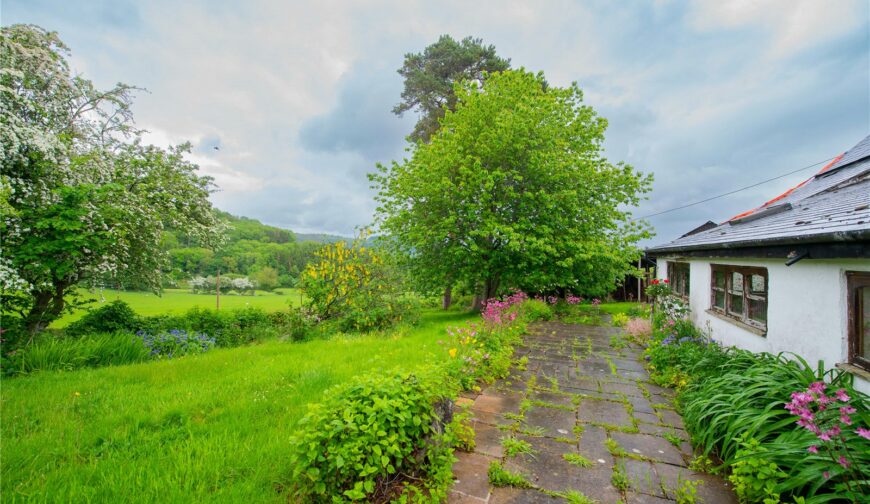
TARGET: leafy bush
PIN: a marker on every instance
(113, 317)
(92, 350)
(375, 439)
(176, 343)
(619, 320)
(354, 285)
(228, 328)
(535, 309)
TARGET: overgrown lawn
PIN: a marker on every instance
(209, 428)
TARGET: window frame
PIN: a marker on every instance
(854, 298)
(673, 267)
(747, 295)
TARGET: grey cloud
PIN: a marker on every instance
(361, 121)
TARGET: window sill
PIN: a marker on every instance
(738, 323)
(853, 369)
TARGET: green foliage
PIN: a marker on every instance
(116, 316)
(687, 491)
(225, 417)
(463, 432)
(514, 191)
(86, 200)
(430, 77)
(501, 477)
(733, 406)
(514, 446)
(266, 278)
(354, 285)
(50, 353)
(369, 431)
(577, 460)
(619, 320)
(575, 497)
(754, 477)
(537, 310)
(619, 478)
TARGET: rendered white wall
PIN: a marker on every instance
(807, 310)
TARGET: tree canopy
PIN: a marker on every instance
(85, 198)
(430, 77)
(514, 191)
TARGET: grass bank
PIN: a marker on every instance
(178, 301)
(209, 428)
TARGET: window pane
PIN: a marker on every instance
(756, 284)
(719, 279)
(737, 282)
(686, 281)
(736, 304)
(719, 299)
(758, 310)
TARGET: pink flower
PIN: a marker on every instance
(826, 474)
(843, 462)
(864, 433)
(847, 410)
(845, 419)
(841, 395)
(817, 387)
(813, 449)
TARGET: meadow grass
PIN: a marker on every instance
(178, 301)
(206, 428)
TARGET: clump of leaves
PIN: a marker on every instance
(619, 478)
(372, 437)
(614, 448)
(687, 491)
(754, 477)
(463, 432)
(575, 497)
(513, 446)
(673, 439)
(501, 477)
(577, 459)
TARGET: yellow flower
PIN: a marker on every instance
(77, 394)
(452, 352)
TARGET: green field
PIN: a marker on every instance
(209, 428)
(177, 301)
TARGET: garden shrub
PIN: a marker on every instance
(112, 317)
(375, 439)
(49, 353)
(356, 286)
(175, 343)
(535, 310)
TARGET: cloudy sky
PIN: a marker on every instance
(707, 95)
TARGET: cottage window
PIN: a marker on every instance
(858, 288)
(740, 293)
(678, 277)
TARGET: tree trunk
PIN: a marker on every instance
(47, 307)
(447, 300)
(477, 302)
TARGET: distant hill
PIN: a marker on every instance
(321, 237)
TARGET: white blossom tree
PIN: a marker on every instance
(82, 198)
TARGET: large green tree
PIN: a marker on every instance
(430, 76)
(514, 191)
(88, 201)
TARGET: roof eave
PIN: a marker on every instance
(831, 237)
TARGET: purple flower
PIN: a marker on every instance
(813, 449)
(843, 462)
(864, 433)
(841, 395)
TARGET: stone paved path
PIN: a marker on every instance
(580, 399)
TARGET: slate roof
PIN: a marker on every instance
(831, 206)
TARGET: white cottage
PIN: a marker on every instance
(792, 275)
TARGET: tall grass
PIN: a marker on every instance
(51, 353)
